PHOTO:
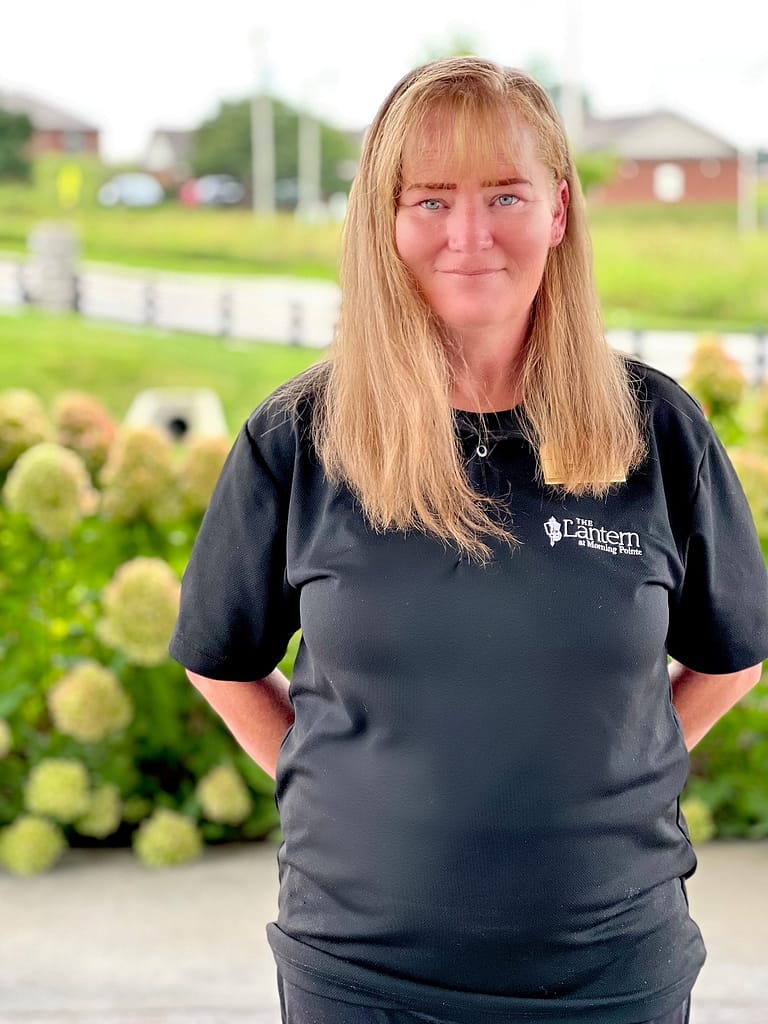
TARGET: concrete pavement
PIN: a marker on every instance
(103, 940)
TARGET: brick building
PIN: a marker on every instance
(54, 130)
(663, 157)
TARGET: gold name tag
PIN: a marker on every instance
(554, 473)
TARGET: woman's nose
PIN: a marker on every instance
(469, 229)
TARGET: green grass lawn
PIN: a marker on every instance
(171, 237)
(49, 354)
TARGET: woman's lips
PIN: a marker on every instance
(480, 272)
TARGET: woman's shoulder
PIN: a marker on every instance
(281, 425)
(668, 408)
(291, 405)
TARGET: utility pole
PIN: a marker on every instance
(310, 164)
(747, 215)
(262, 131)
(310, 171)
(572, 94)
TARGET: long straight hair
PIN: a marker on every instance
(383, 423)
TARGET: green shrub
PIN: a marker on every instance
(6, 739)
(58, 787)
(103, 741)
(50, 484)
(85, 426)
(718, 381)
(167, 838)
(752, 468)
(89, 704)
(224, 796)
(141, 603)
(30, 845)
(762, 413)
(698, 814)
(138, 478)
(103, 814)
(23, 423)
(729, 769)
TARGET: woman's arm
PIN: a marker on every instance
(258, 714)
(701, 699)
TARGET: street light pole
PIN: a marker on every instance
(262, 132)
(572, 99)
(747, 191)
(310, 164)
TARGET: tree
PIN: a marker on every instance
(15, 132)
(459, 44)
(223, 145)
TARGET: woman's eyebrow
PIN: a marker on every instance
(444, 186)
(505, 181)
(432, 186)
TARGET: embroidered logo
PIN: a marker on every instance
(553, 530)
(588, 535)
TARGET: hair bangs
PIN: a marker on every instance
(465, 136)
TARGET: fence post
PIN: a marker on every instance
(21, 281)
(55, 252)
(225, 314)
(150, 302)
(296, 323)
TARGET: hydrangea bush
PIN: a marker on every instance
(719, 382)
(85, 426)
(102, 739)
(50, 484)
(23, 423)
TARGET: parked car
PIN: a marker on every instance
(212, 190)
(131, 189)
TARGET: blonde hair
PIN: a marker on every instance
(383, 423)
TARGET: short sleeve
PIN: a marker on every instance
(237, 610)
(719, 614)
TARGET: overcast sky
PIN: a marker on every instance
(129, 66)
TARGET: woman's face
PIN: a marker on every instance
(477, 243)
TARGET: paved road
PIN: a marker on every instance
(102, 940)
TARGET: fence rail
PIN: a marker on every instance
(294, 311)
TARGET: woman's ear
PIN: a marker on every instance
(560, 213)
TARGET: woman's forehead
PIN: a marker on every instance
(444, 155)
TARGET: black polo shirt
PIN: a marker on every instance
(480, 793)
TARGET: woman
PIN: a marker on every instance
(491, 530)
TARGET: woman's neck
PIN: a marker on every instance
(486, 375)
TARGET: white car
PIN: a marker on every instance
(131, 189)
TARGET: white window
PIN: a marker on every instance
(669, 182)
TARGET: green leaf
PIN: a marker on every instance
(13, 699)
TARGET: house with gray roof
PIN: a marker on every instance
(662, 157)
(54, 130)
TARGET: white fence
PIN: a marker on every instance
(301, 312)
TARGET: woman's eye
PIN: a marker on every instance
(431, 204)
(507, 200)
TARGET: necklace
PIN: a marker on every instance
(481, 451)
(478, 431)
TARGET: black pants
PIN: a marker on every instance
(300, 1007)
